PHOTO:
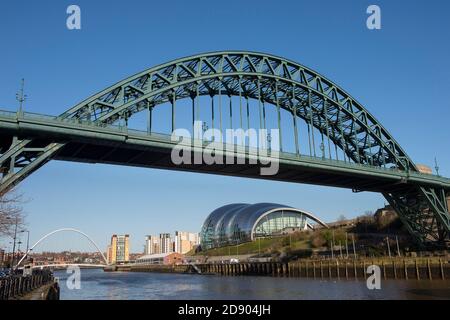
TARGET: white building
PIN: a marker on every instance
(185, 241)
(165, 243)
(151, 245)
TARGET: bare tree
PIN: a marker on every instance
(368, 213)
(11, 212)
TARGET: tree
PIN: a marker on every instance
(11, 212)
(365, 223)
(327, 235)
(317, 240)
(368, 214)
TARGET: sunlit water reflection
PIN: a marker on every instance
(96, 284)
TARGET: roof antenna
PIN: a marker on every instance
(21, 97)
(436, 166)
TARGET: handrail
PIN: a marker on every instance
(19, 285)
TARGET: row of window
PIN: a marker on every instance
(151, 261)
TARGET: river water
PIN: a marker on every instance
(98, 285)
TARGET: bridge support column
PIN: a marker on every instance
(424, 212)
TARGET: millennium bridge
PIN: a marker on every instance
(325, 136)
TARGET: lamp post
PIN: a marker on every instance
(21, 97)
(14, 241)
(9, 253)
(28, 240)
(388, 246)
(259, 246)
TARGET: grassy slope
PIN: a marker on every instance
(262, 246)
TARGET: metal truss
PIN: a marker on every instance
(21, 159)
(304, 93)
(424, 212)
(263, 77)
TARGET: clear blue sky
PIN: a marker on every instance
(401, 73)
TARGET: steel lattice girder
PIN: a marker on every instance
(22, 159)
(296, 88)
(424, 212)
(354, 128)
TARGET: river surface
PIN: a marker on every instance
(98, 285)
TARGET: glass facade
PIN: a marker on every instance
(121, 244)
(240, 222)
(277, 221)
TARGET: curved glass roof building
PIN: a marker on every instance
(241, 222)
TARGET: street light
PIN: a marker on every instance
(28, 238)
(14, 238)
(9, 252)
(259, 246)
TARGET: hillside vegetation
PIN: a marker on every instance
(368, 233)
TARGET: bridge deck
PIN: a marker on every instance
(88, 142)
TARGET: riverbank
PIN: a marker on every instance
(40, 286)
(392, 268)
(50, 291)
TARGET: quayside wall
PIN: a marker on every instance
(345, 269)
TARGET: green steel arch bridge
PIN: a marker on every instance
(326, 137)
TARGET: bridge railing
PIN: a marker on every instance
(15, 286)
(8, 114)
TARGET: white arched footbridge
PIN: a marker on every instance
(63, 230)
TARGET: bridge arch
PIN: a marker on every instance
(293, 87)
(58, 231)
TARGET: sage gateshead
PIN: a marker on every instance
(240, 222)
